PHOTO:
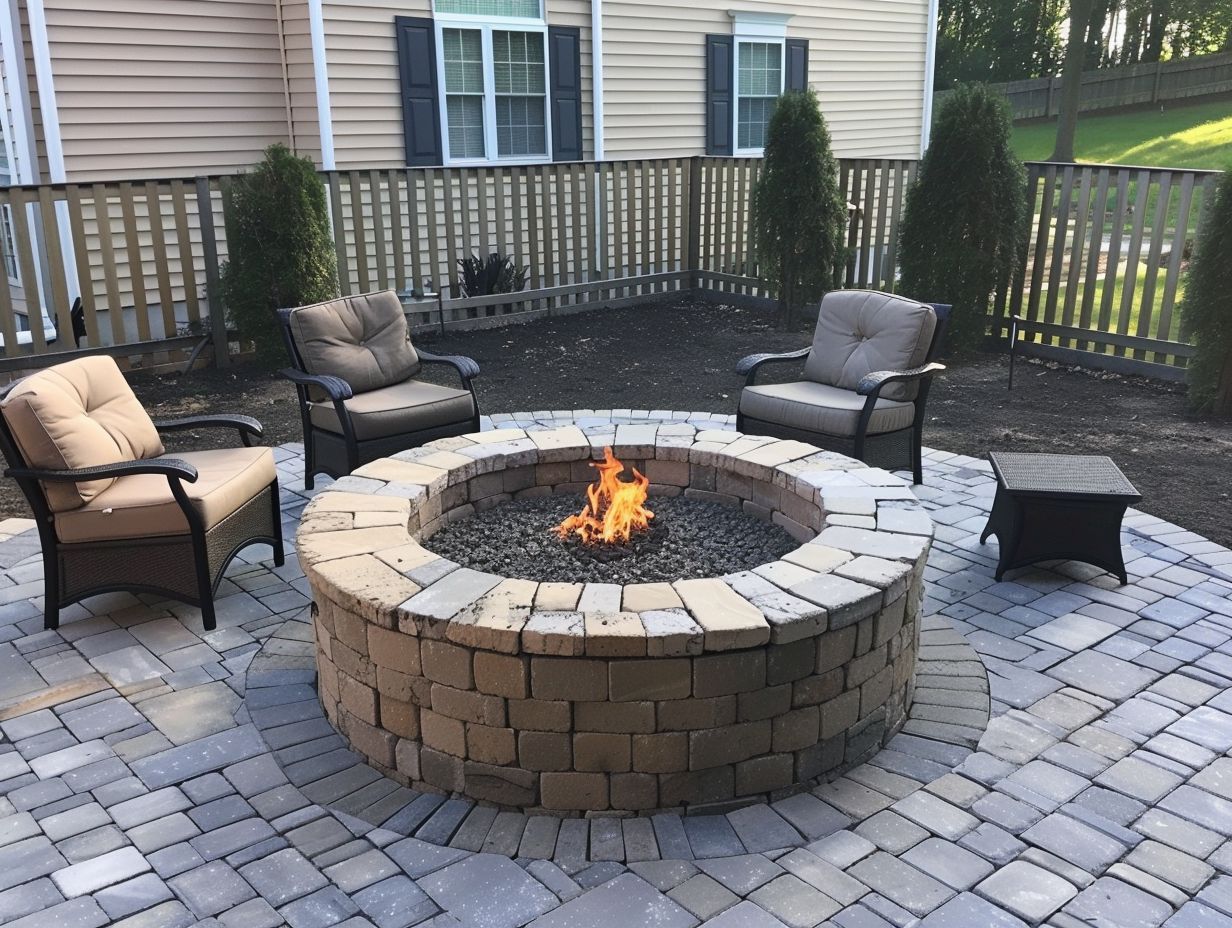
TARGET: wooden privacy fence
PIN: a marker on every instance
(1124, 85)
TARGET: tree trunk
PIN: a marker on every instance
(1071, 79)
(1222, 403)
(1160, 14)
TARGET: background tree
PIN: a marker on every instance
(279, 246)
(798, 214)
(1207, 307)
(965, 221)
(1071, 78)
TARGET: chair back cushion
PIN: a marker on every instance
(362, 339)
(861, 331)
(81, 413)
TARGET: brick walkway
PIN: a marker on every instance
(156, 775)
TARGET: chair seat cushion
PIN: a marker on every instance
(142, 506)
(816, 407)
(410, 406)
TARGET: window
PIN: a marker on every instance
(759, 81)
(7, 250)
(521, 9)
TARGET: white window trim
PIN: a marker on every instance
(759, 39)
(486, 26)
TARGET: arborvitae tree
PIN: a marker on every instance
(798, 213)
(279, 246)
(1207, 307)
(965, 222)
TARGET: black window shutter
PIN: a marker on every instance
(719, 49)
(565, 60)
(421, 114)
(797, 65)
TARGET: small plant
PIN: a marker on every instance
(279, 245)
(798, 213)
(964, 227)
(1206, 307)
(495, 274)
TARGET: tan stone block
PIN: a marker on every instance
(692, 714)
(447, 663)
(721, 674)
(559, 633)
(875, 691)
(507, 786)
(442, 734)
(518, 478)
(374, 743)
(764, 703)
(614, 716)
(495, 621)
(661, 753)
(658, 679)
(796, 730)
(407, 557)
(393, 649)
(836, 648)
(614, 634)
(866, 666)
(697, 787)
(502, 674)
(672, 473)
(671, 633)
(313, 523)
(889, 621)
(314, 548)
(764, 774)
(540, 715)
(490, 745)
(404, 686)
(406, 758)
(839, 714)
(370, 519)
(351, 663)
(574, 792)
(596, 751)
(467, 705)
(634, 792)
(864, 635)
(819, 558)
(358, 699)
(550, 475)
(545, 750)
(728, 620)
(557, 597)
(485, 485)
(567, 678)
(788, 662)
(370, 588)
(444, 771)
(647, 597)
(402, 718)
(434, 479)
(352, 630)
(819, 688)
(728, 745)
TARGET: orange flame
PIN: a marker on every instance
(615, 507)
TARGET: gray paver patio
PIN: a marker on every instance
(152, 774)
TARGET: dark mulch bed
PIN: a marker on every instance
(682, 358)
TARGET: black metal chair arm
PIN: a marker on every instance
(467, 368)
(166, 467)
(335, 387)
(245, 425)
(749, 365)
(873, 383)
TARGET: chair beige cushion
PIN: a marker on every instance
(410, 406)
(81, 413)
(362, 339)
(816, 407)
(143, 507)
(861, 331)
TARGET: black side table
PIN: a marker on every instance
(1059, 507)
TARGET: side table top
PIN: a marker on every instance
(1076, 476)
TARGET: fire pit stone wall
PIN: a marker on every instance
(587, 697)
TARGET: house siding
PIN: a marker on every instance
(301, 80)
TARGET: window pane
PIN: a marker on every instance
(463, 61)
(760, 71)
(524, 8)
(521, 127)
(465, 115)
(754, 116)
(517, 62)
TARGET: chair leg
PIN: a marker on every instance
(917, 455)
(51, 594)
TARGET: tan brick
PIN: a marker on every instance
(539, 715)
(646, 597)
(572, 792)
(661, 753)
(764, 774)
(490, 745)
(866, 666)
(697, 786)
(374, 743)
(691, 714)
(557, 597)
(614, 634)
(764, 703)
(507, 786)
(727, 619)
(796, 730)
(633, 792)
(545, 750)
(351, 630)
(593, 751)
(561, 634)
(402, 718)
(786, 663)
(658, 679)
(814, 690)
(394, 650)
(875, 692)
(442, 734)
(839, 714)
(864, 635)
(358, 699)
(444, 771)
(353, 664)
(549, 475)
(820, 758)
(502, 674)
(467, 705)
(889, 620)
(735, 672)
(406, 758)
(404, 686)
(728, 745)
(565, 678)
(518, 478)
(614, 716)
(836, 648)
(447, 663)
(672, 473)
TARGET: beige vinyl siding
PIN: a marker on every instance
(155, 89)
(301, 79)
(866, 62)
(364, 90)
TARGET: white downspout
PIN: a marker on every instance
(596, 75)
(930, 66)
(320, 73)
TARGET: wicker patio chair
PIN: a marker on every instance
(354, 369)
(866, 380)
(114, 512)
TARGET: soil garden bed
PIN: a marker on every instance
(657, 358)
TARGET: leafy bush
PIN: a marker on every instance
(965, 224)
(279, 246)
(1207, 307)
(495, 274)
(798, 214)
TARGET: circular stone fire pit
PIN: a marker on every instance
(576, 697)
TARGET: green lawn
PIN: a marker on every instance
(1197, 136)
